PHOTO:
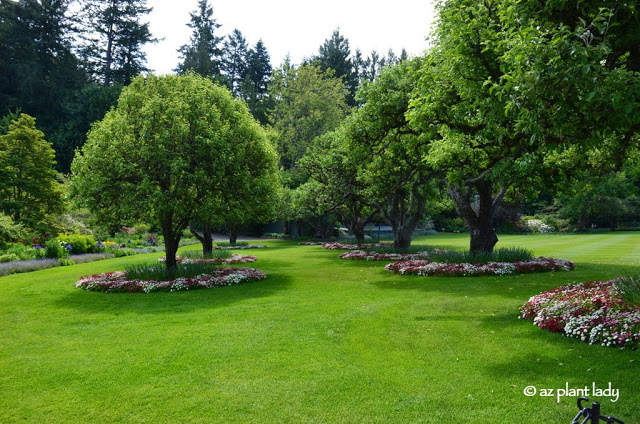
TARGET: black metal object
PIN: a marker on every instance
(592, 414)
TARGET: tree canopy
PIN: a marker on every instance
(165, 154)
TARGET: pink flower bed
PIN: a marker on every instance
(592, 312)
(248, 246)
(362, 255)
(113, 282)
(427, 268)
(336, 245)
(234, 259)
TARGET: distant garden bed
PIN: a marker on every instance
(598, 312)
(119, 282)
(347, 246)
(227, 246)
(231, 259)
(444, 269)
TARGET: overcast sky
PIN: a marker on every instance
(295, 27)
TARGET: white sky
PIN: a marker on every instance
(296, 27)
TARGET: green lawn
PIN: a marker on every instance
(321, 340)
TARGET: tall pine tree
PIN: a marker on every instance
(234, 61)
(39, 73)
(256, 83)
(113, 37)
(335, 54)
(203, 54)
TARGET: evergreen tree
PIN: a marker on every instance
(256, 84)
(39, 73)
(113, 38)
(203, 54)
(235, 61)
(335, 54)
(29, 193)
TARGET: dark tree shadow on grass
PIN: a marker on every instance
(173, 302)
(520, 286)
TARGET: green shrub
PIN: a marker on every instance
(227, 244)
(66, 262)
(505, 254)
(629, 288)
(9, 257)
(80, 243)
(22, 252)
(119, 253)
(159, 272)
(55, 250)
(197, 254)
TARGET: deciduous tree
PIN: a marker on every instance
(166, 153)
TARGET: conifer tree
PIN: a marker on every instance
(235, 61)
(113, 37)
(203, 54)
(256, 84)
(335, 54)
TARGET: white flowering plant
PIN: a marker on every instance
(444, 269)
(594, 312)
(115, 282)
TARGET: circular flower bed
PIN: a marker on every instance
(442, 269)
(592, 312)
(234, 259)
(246, 246)
(362, 255)
(117, 282)
(336, 245)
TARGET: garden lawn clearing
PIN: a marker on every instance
(320, 340)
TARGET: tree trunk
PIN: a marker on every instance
(483, 239)
(205, 238)
(233, 236)
(402, 236)
(479, 219)
(171, 243)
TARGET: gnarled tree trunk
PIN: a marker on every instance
(478, 217)
(172, 235)
(206, 238)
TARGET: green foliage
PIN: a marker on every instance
(225, 244)
(9, 257)
(158, 272)
(122, 252)
(66, 262)
(54, 249)
(308, 103)
(629, 288)
(505, 254)
(203, 54)
(80, 243)
(168, 153)
(215, 254)
(113, 39)
(9, 230)
(335, 54)
(30, 193)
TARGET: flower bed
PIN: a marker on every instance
(362, 255)
(234, 259)
(115, 282)
(246, 246)
(336, 245)
(592, 312)
(311, 243)
(428, 268)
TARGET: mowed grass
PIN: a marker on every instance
(321, 340)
